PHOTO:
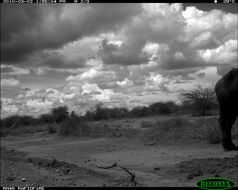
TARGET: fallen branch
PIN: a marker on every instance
(132, 175)
(151, 144)
(107, 167)
(14, 125)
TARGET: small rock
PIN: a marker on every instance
(156, 169)
(23, 179)
(217, 175)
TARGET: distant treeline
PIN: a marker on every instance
(61, 113)
(158, 108)
(98, 113)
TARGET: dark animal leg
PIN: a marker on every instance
(226, 125)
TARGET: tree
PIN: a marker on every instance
(46, 118)
(60, 114)
(161, 108)
(201, 99)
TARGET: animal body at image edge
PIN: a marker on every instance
(227, 94)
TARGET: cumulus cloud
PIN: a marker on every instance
(150, 38)
(114, 54)
(13, 70)
(224, 54)
(38, 103)
(31, 28)
(118, 54)
(153, 25)
(125, 83)
(10, 82)
(8, 108)
(103, 77)
(156, 82)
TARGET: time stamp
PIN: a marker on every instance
(83, 1)
(45, 1)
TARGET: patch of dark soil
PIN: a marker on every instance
(209, 165)
(18, 169)
(15, 171)
(12, 155)
(213, 167)
(61, 167)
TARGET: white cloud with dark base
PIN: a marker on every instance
(119, 54)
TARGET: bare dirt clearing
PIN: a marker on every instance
(50, 160)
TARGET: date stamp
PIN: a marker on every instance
(23, 188)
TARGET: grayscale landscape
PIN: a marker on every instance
(118, 95)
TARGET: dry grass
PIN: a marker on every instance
(21, 130)
(166, 130)
(161, 129)
(52, 128)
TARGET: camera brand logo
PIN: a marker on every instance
(215, 183)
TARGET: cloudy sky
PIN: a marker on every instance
(118, 54)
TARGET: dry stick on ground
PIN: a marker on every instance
(14, 125)
(133, 176)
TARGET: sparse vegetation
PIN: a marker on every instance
(73, 126)
(158, 108)
(59, 114)
(52, 127)
(175, 127)
(199, 99)
(167, 130)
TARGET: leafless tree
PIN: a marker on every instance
(200, 98)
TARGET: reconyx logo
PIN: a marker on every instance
(215, 183)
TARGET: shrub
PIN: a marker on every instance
(158, 108)
(139, 112)
(73, 126)
(146, 124)
(161, 108)
(10, 122)
(45, 118)
(52, 127)
(59, 114)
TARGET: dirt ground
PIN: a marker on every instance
(49, 160)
